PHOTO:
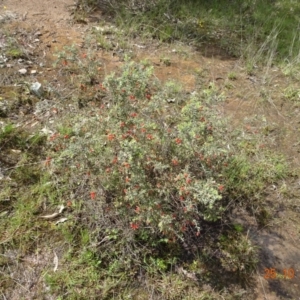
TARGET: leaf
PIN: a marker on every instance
(55, 261)
(61, 220)
(54, 215)
(48, 217)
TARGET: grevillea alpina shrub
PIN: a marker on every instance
(158, 162)
(160, 167)
(166, 159)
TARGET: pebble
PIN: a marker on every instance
(22, 71)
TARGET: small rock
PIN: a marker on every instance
(3, 59)
(280, 214)
(37, 89)
(20, 60)
(22, 71)
(33, 72)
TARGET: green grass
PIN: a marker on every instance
(242, 28)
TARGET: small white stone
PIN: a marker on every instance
(22, 71)
(37, 89)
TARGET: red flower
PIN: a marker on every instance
(188, 180)
(126, 165)
(111, 137)
(132, 97)
(103, 89)
(83, 87)
(178, 141)
(148, 96)
(175, 162)
(53, 136)
(221, 188)
(48, 160)
(93, 195)
(149, 137)
(133, 114)
(134, 226)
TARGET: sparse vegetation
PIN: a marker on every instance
(255, 30)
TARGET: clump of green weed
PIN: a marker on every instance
(232, 76)
(238, 255)
(21, 170)
(14, 53)
(83, 67)
(292, 93)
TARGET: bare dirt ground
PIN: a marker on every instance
(51, 23)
